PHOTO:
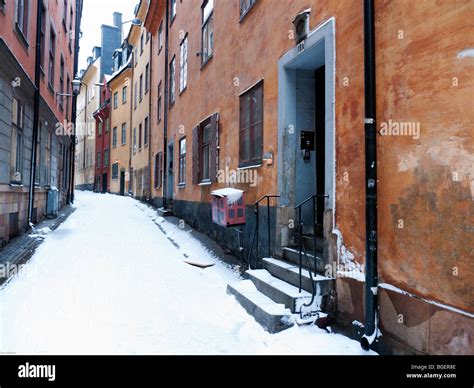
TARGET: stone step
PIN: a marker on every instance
(168, 212)
(309, 243)
(274, 317)
(278, 290)
(289, 273)
(292, 255)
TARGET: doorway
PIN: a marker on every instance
(122, 183)
(104, 183)
(170, 175)
(306, 133)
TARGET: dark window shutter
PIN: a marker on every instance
(213, 152)
(196, 155)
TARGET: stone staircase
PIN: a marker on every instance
(271, 295)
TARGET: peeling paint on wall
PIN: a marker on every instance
(346, 264)
(466, 53)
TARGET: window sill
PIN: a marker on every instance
(205, 183)
(208, 59)
(181, 186)
(19, 185)
(182, 91)
(50, 88)
(243, 16)
(249, 166)
(21, 36)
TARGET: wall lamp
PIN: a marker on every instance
(267, 158)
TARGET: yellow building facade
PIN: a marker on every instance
(120, 129)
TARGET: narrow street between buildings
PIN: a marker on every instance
(113, 280)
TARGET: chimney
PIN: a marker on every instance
(96, 52)
(118, 20)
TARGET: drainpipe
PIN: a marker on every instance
(371, 280)
(36, 108)
(150, 69)
(74, 101)
(165, 110)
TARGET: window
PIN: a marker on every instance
(140, 132)
(160, 38)
(205, 147)
(68, 91)
(115, 168)
(61, 83)
(173, 9)
(124, 95)
(98, 159)
(38, 156)
(142, 44)
(71, 21)
(16, 151)
(158, 170)
(47, 156)
(134, 140)
(147, 78)
(141, 87)
(158, 110)
(245, 6)
(182, 161)
(172, 80)
(183, 65)
(107, 124)
(135, 102)
(106, 158)
(124, 134)
(114, 137)
(99, 129)
(207, 31)
(145, 134)
(115, 100)
(251, 126)
(65, 14)
(21, 16)
(52, 50)
(43, 36)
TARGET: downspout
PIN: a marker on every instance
(165, 110)
(150, 91)
(132, 102)
(74, 99)
(36, 107)
(371, 279)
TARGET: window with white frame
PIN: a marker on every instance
(172, 80)
(207, 31)
(183, 64)
(182, 161)
(21, 16)
(16, 150)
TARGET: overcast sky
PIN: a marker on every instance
(96, 13)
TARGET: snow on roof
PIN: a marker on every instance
(233, 195)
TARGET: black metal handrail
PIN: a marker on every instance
(302, 250)
(257, 229)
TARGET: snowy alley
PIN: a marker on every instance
(109, 281)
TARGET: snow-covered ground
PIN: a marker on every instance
(110, 281)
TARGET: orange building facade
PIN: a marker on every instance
(238, 102)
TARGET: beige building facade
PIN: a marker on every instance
(88, 102)
(140, 40)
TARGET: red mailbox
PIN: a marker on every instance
(228, 207)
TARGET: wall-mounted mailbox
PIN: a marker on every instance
(307, 140)
(228, 207)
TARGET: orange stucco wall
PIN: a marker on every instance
(415, 78)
